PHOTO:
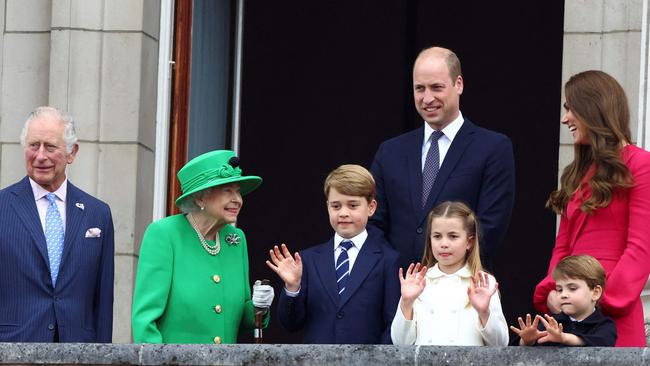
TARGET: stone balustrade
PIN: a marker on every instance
(330, 355)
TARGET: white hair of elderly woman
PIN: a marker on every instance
(188, 205)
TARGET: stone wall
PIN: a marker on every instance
(98, 60)
(331, 355)
(602, 35)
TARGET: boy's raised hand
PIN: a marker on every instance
(529, 331)
(553, 328)
(287, 267)
(555, 333)
(412, 286)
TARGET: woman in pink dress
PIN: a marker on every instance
(604, 202)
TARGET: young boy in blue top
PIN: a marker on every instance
(344, 290)
(580, 283)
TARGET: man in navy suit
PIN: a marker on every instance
(56, 244)
(344, 291)
(467, 163)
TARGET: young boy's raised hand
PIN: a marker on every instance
(529, 331)
(556, 333)
(287, 267)
(411, 287)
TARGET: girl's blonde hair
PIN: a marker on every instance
(460, 211)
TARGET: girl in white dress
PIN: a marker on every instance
(448, 299)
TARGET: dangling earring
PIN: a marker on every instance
(202, 208)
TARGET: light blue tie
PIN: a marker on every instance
(53, 236)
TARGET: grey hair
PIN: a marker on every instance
(69, 132)
(188, 204)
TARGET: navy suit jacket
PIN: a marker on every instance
(478, 169)
(81, 305)
(365, 310)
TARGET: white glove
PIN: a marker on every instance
(262, 295)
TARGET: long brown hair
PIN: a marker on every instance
(599, 102)
(460, 211)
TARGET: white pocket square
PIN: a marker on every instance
(93, 232)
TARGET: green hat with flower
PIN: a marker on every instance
(212, 169)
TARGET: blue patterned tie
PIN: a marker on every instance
(431, 166)
(343, 265)
(53, 236)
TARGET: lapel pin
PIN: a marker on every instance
(79, 205)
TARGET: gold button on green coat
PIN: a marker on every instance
(175, 291)
(217, 309)
(216, 278)
(217, 340)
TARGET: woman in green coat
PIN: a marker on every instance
(192, 284)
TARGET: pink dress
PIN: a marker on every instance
(619, 237)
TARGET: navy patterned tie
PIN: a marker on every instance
(431, 166)
(343, 265)
(53, 236)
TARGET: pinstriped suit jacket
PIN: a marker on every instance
(81, 305)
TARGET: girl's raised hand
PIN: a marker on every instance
(413, 284)
(288, 268)
(480, 293)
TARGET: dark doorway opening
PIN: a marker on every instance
(324, 83)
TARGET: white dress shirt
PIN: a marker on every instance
(40, 194)
(353, 252)
(444, 142)
(443, 315)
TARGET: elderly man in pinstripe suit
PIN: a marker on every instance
(56, 244)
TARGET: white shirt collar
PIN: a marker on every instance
(450, 131)
(40, 192)
(357, 240)
(435, 272)
(576, 320)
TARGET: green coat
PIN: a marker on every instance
(185, 295)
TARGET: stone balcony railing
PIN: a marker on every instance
(321, 355)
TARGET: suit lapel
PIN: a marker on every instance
(366, 260)
(461, 141)
(73, 216)
(324, 263)
(414, 161)
(25, 207)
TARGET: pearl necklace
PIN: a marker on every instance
(212, 250)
